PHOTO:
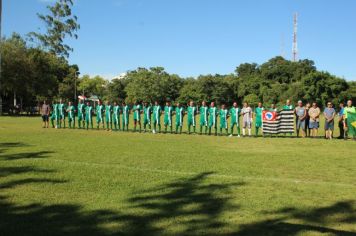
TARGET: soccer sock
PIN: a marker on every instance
(206, 129)
(52, 123)
(201, 129)
(165, 128)
(238, 130)
(180, 129)
(232, 130)
(243, 132)
(249, 132)
(159, 128)
(189, 129)
(176, 129)
(257, 131)
(227, 131)
(209, 130)
(194, 129)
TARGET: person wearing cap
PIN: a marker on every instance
(301, 114)
(329, 114)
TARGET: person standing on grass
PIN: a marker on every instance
(99, 115)
(258, 113)
(314, 113)
(179, 112)
(329, 114)
(234, 113)
(137, 115)
(213, 113)
(80, 112)
(54, 115)
(71, 115)
(45, 111)
(61, 113)
(116, 116)
(347, 110)
(147, 113)
(192, 111)
(341, 121)
(168, 111)
(307, 120)
(157, 111)
(89, 115)
(108, 115)
(301, 114)
(246, 113)
(203, 117)
(125, 116)
(223, 113)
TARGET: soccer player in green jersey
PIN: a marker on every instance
(213, 113)
(108, 115)
(116, 116)
(168, 111)
(125, 116)
(89, 115)
(203, 111)
(137, 115)
(258, 114)
(192, 111)
(179, 112)
(235, 115)
(80, 112)
(157, 111)
(54, 115)
(147, 112)
(61, 114)
(224, 114)
(71, 116)
(99, 115)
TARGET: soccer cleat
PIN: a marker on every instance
(230, 135)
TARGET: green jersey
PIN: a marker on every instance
(258, 112)
(81, 110)
(99, 113)
(55, 110)
(192, 111)
(125, 114)
(137, 112)
(61, 108)
(204, 115)
(234, 114)
(179, 116)
(168, 110)
(70, 111)
(213, 112)
(88, 113)
(116, 112)
(108, 113)
(147, 112)
(288, 107)
(223, 113)
(157, 114)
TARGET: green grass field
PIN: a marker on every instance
(78, 182)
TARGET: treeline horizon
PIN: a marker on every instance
(31, 74)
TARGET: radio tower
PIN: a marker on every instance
(295, 42)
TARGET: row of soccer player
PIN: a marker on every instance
(115, 117)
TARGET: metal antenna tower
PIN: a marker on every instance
(295, 39)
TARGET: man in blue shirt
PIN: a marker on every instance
(341, 121)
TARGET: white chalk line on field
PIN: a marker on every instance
(186, 173)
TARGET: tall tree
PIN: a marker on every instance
(60, 23)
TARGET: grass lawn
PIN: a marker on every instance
(78, 182)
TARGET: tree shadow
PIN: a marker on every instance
(6, 146)
(13, 170)
(25, 155)
(196, 205)
(294, 221)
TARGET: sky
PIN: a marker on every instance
(193, 37)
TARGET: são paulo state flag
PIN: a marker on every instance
(269, 115)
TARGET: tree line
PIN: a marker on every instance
(31, 74)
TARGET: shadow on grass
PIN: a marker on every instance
(294, 221)
(186, 206)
